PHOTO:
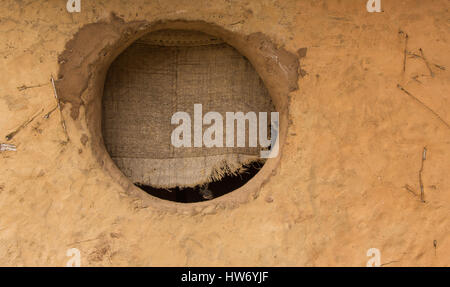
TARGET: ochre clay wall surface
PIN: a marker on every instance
(347, 179)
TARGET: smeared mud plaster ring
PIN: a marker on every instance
(82, 71)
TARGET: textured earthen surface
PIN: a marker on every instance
(373, 92)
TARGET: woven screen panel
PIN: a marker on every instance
(161, 74)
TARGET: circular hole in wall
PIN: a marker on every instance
(170, 71)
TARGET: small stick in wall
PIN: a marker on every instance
(426, 62)
(409, 189)
(63, 123)
(423, 104)
(422, 192)
(47, 115)
(26, 123)
(24, 87)
(405, 51)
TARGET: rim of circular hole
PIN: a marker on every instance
(277, 68)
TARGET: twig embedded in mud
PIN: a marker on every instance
(423, 104)
(390, 262)
(238, 22)
(63, 123)
(17, 130)
(408, 188)
(47, 115)
(414, 55)
(405, 51)
(24, 87)
(82, 241)
(426, 62)
(415, 79)
(439, 67)
(422, 192)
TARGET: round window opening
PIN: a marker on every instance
(185, 116)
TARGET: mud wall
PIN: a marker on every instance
(373, 95)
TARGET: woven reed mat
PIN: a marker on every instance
(166, 72)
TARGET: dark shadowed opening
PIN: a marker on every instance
(206, 192)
